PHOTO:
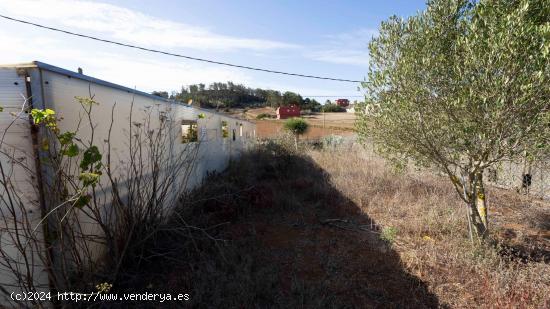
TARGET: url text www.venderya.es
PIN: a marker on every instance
(95, 296)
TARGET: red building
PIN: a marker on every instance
(290, 111)
(342, 102)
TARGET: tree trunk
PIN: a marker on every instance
(296, 141)
(478, 207)
(479, 228)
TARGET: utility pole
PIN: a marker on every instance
(324, 118)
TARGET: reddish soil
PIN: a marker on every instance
(272, 128)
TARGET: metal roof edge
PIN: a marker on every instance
(19, 65)
(52, 68)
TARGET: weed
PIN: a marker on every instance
(389, 234)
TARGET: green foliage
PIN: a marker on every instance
(297, 126)
(311, 104)
(231, 95)
(290, 98)
(225, 129)
(1, 109)
(332, 108)
(82, 201)
(264, 115)
(162, 94)
(86, 101)
(191, 135)
(46, 116)
(89, 179)
(71, 151)
(66, 138)
(90, 164)
(104, 287)
(91, 159)
(332, 141)
(460, 87)
(389, 234)
(201, 116)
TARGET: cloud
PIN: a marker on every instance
(344, 48)
(131, 26)
(146, 73)
(150, 75)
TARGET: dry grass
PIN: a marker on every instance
(321, 124)
(432, 239)
(262, 240)
(273, 128)
(281, 229)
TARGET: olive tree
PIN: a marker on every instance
(461, 87)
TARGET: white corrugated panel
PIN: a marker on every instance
(17, 160)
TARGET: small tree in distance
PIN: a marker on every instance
(297, 126)
(461, 87)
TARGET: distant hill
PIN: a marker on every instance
(231, 95)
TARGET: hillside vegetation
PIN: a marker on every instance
(231, 95)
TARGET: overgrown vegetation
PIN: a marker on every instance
(94, 222)
(283, 228)
(338, 228)
(265, 115)
(273, 232)
(332, 108)
(425, 220)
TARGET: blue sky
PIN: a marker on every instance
(327, 38)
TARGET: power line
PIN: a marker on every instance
(176, 55)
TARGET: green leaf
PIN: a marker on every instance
(66, 138)
(86, 101)
(91, 156)
(71, 151)
(47, 116)
(1, 109)
(89, 179)
(82, 201)
(37, 115)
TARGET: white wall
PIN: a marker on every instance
(117, 106)
(16, 143)
(60, 91)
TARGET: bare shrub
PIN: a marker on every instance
(93, 222)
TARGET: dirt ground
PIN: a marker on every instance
(272, 128)
(282, 246)
(307, 230)
(338, 120)
(321, 124)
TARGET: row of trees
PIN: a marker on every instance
(461, 87)
(230, 95)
